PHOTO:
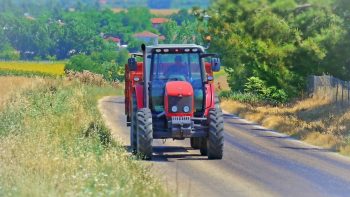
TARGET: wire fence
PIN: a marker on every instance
(329, 87)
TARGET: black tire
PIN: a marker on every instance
(203, 146)
(144, 133)
(195, 143)
(215, 142)
(133, 128)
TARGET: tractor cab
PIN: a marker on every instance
(181, 67)
(173, 88)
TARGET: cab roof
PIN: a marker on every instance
(165, 46)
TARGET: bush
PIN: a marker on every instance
(275, 95)
(255, 91)
(80, 63)
(255, 85)
(9, 53)
(241, 97)
(104, 63)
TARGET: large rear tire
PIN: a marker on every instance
(144, 133)
(203, 146)
(133, 128)
(215, 142)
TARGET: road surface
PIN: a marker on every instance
(257, 162)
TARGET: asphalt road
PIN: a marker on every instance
(257, 162)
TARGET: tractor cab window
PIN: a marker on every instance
(179, 67)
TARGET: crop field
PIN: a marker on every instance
(44, 68)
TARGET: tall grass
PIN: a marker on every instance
(10, 85)
(53, 143)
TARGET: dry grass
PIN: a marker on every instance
(11, 85)
(53, 143)
(157, 12)
(315, 120)
(164, 12)
(56, 69)
(221, 80)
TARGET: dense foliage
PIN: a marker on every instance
(281, 42)
(29, 5)
(62, 34)
(107, 63)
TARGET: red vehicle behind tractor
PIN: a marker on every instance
(170, 94)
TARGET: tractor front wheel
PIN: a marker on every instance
(144, 133)
(215, 142)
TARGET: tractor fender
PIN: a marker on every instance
(209, 97)
(139, 95)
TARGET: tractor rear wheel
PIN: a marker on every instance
(215, 142)
(133, 128)
(195, 143)
(144, 133)
(203, 146)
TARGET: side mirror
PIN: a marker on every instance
(132, 64)
(215, 64)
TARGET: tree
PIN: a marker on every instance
(186, 33)
(137, 19)
(182, 15)
(278, 41)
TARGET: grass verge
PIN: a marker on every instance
(53, 143)
(316, 121)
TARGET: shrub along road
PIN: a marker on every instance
(257, 162)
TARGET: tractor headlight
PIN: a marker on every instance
(174, 109)
(186, 109)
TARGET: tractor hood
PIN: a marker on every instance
(178, 100)
(178, 89)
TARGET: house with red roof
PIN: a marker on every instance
(156, 22)
(113, 39)
(147, 37)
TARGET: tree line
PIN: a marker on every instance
(273, 45)
(80, 35)
(62, 34)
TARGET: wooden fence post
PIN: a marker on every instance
(336, 93)
(348, 92)
(342, 92)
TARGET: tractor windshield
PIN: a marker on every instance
(176, 66)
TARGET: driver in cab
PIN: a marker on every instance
(178, 71)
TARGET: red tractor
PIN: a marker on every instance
(170, 94)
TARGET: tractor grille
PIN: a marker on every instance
(180, 102)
